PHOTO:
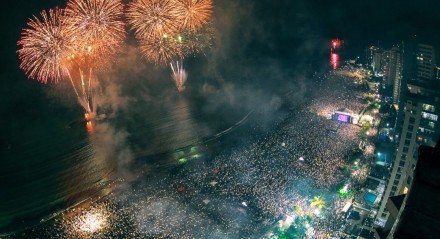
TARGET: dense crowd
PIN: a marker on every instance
(245, 190)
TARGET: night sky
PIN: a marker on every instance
(277, 25)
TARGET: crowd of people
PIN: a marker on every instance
(243, 191)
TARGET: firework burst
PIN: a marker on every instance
(153, 18)
(195, 42)
(98, 24)
(45, 46)
(160, 51)
(193, 14)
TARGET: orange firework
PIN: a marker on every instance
(160, 50)
(193, 14)
(153, 18)
(45, 45)
(98, 24)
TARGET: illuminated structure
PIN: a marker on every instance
(369, 54)
(416, 214)
(373, 56)
(437, 73)
(425, 61)
(392, 70)
(376, 64)
(420, 126)
(394, 73)
(345, 116)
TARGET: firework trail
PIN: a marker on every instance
(193, 14)
(153, 19)
(170, 29)
(179, 75)
(44, 47)
(99, 34)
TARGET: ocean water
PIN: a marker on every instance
(56, 162)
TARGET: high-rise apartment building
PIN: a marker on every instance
(373, 56)
(370, 51)
(394, 74)
(425, 61)
(420, 125)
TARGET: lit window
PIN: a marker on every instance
(429, 116)
(427, 107)
(405, 190)
(428, 131)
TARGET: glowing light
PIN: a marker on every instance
(179, 75)
(318, 202)
(346, 206)
(183, 160)
(153, 19)
(68, 44)
(98, 25)
(89, 126)
(343, 192)
(92, 222)
(334, 61)
(195, 42)
(160, 50)
(336, 43)
(317, 211)
(193, 14)
(45, 45)
(88, 222)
